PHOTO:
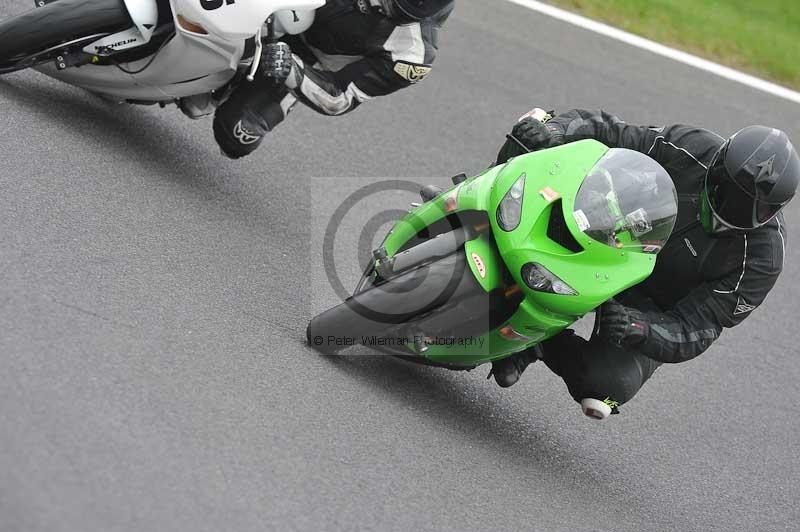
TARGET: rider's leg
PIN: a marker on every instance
(598, 375)
(507, 371)
(253, 110)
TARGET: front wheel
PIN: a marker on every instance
(390, 309)
(41, 35)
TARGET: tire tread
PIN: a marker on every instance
(59, 22)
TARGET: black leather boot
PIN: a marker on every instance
(508, 370)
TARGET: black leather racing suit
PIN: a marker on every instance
(351, 54)
(701, 283)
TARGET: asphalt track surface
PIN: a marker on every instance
(154, 296)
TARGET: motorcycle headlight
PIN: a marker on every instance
(510, 210)
(540, 279)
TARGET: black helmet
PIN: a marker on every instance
(419, 9)
(752, 177)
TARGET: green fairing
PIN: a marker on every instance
(706, 216)
(597, 273)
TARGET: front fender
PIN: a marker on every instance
(144, 14)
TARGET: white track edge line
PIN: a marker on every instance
(660, 49)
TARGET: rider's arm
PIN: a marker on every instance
(674, 147)
(404, 60)
(580, 124)
(697, 320)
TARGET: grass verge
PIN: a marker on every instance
(759, 37)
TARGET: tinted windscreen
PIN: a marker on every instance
(627, 201)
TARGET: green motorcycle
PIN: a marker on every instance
(509, 258)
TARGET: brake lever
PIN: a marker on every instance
(257, 57)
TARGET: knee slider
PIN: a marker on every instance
(595, 409)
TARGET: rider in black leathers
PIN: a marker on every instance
(355, 51)
(712, 273)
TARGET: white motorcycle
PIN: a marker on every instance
(150, 51)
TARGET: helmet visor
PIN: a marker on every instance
(766, 211)
(734, 206)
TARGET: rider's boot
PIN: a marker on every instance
(249, 114)
(198, 106)
(508, 370)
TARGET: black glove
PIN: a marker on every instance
(624, 326)
(532, 134)
(276, 62)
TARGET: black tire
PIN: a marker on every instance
(26, 35)
(388, 307)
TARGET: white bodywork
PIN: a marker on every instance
(293, 22)
(144, 16)
(191, 62)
